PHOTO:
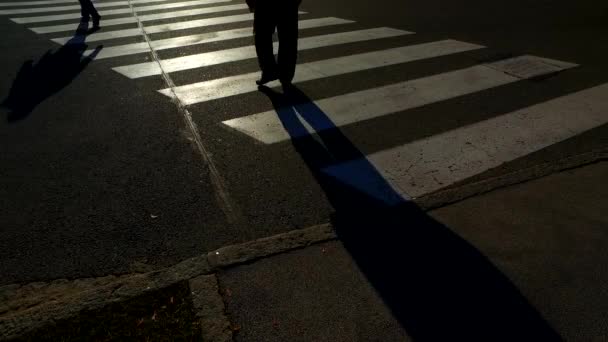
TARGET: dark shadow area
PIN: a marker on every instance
(438, 286)
(55, 70)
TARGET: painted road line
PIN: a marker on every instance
(36, 3)
(171, 43)
(184, 25)
(77, 15)
(427, 165)
(229, 86)
(373, 103)
(147, 17)
(241, 53)
(73, 7)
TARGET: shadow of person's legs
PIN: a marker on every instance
(35, 82)
(437, 285)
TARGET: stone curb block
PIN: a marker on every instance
(256, 249)
(210, 309)
(24, 314)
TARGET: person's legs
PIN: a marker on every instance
(288, 40)
(264, 26)
(84, 10)
(88, 10)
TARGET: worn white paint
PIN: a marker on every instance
(530, 66)
(37, 3)
(74, 7)
(176, 42)
(143, 18)
(368, 104)
(183, 25)
(427, 165)
(76, 15)
(229, 86)
(241, 53)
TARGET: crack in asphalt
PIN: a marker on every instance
(221, 192)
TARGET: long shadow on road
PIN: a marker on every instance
(439, 287)
(35, 83)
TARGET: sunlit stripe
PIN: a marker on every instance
(39, 19)
(170, 43)
(427, 165)
(373, 103)
(231, 55)
(97, 36)
(143, 18)
(229, 86)
(74, 7)
(36, 3)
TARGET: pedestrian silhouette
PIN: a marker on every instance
(88, 11)
(55, 70)
(282, 16)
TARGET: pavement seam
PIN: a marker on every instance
(20, 314)
(221, 192)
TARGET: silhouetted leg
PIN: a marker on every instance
(84, 9)
(288, 42)
(264, 26)
(87, 9)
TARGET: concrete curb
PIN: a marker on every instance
(26, 308)
(34, 306)
(210, 309)
(280, 243)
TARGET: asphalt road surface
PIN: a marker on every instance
(147, 142)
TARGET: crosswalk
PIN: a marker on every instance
(415, 168)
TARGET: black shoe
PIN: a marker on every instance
(96, 22)
(287, 86)
(266, 78)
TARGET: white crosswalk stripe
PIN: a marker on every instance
(368, 104)
(237, 54)
(36, 3)
(76, 15)
(183, 25)
(415, 168)
(74, 7)
(427, 165)
(171, 43)
(230, 86)
(144, 18)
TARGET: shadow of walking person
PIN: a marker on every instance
(438, 286)
(55, 70)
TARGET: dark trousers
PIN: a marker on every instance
(281, 15)
(87, 9)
